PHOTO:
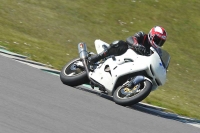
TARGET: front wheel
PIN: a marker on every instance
(128, 96)
(73, 73)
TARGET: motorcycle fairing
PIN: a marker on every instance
(129, 62)
(118, 67)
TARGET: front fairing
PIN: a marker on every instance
(159, 63)
(164, 55)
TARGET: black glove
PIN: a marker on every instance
(140, 48)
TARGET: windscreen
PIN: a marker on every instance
(165, 58)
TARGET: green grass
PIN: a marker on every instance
(48, 31)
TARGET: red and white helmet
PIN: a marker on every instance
(157, 36)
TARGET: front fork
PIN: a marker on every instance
(131, 86)
(134, 81)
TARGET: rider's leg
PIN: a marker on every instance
(116, 48)
(97, 57)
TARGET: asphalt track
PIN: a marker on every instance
(33, 101)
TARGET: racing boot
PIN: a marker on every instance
(97, 57)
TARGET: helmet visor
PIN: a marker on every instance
(158, 41)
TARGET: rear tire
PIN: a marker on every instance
(73, 75)
(121, 97)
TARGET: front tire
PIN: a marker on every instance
(73, 73)
(129, 96)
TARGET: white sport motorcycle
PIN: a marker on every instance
(128, 78)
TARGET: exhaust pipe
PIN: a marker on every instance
(82, 49)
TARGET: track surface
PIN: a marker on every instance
(32, 101)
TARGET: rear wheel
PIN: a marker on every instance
(128, 96)
(73, 73)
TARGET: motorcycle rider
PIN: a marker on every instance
(140, 43)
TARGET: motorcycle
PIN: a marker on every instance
(128, 78)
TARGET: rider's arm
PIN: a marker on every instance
(138, 38)
(135, 42)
